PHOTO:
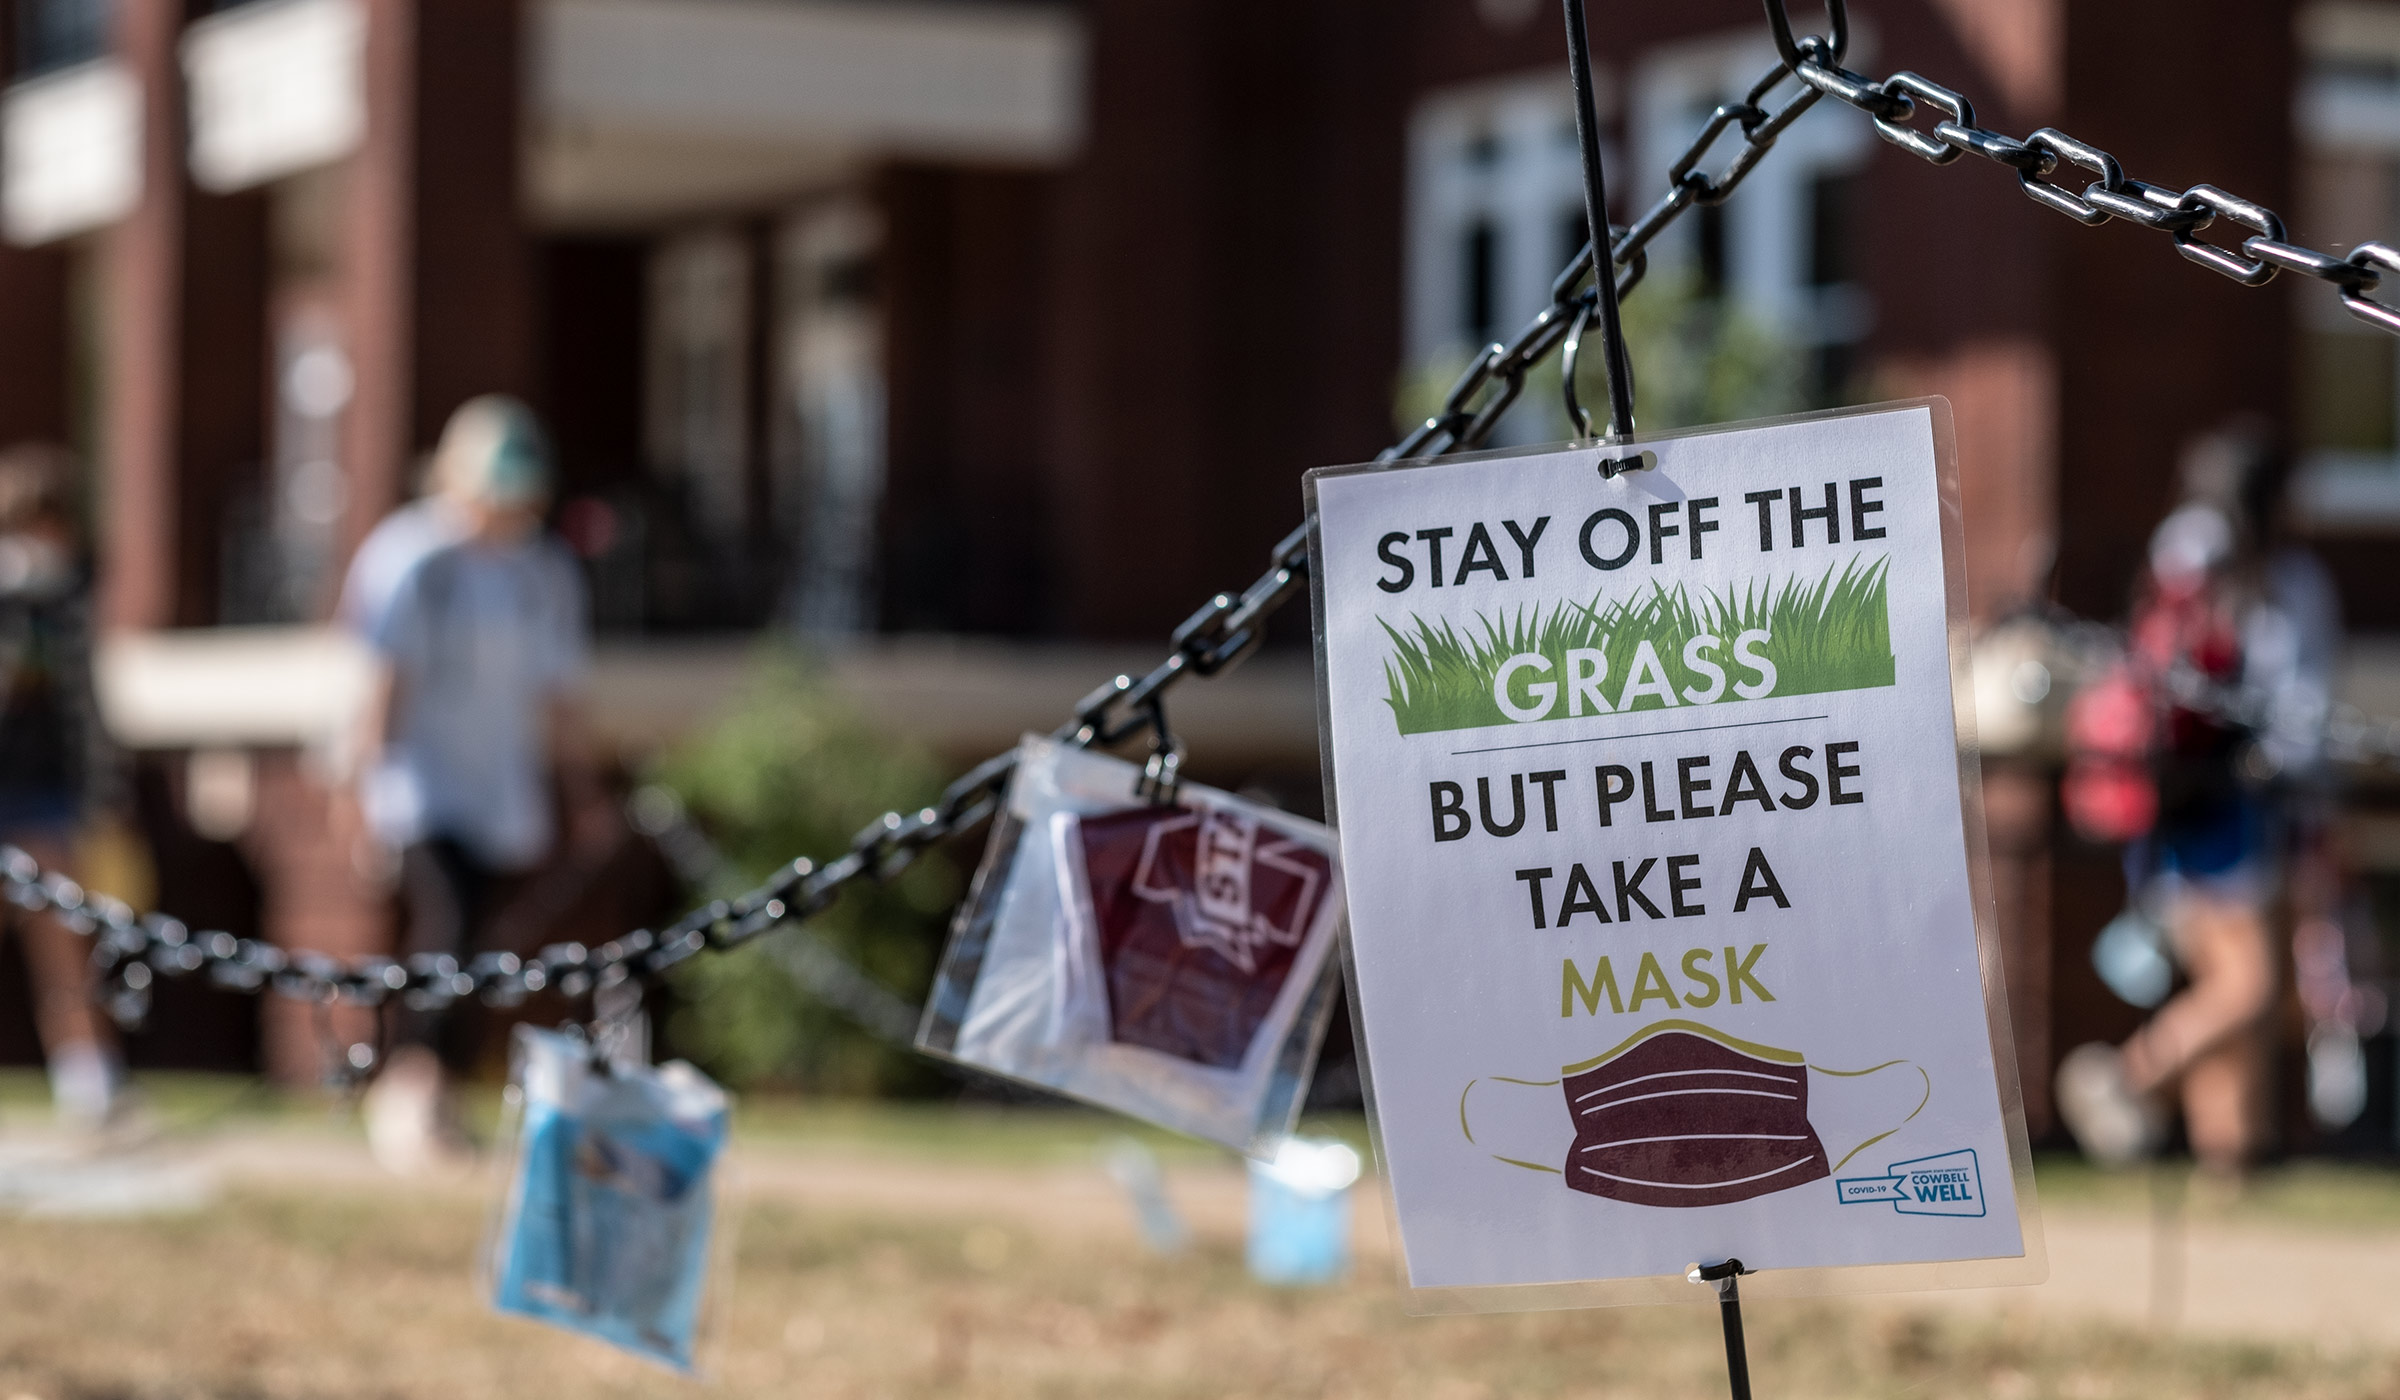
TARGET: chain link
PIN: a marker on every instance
(132, 951)
(2182, 215)
(1496, 376)
(2350, 735)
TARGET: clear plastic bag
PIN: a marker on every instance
(611, 1203)
(1166, 960)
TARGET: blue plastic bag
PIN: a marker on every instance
(2131, 957)
(1300, 1213)
(611, 1197)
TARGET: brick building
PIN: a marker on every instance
(983, 340)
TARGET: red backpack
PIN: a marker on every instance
(2135, 755)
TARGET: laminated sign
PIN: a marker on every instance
(1669, 911)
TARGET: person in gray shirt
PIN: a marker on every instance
(478, 622)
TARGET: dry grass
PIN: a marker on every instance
(336, 1287)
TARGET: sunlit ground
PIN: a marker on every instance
(929, 1250)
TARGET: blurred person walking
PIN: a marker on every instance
(2202, 752)
(479, 622)
(49, 758)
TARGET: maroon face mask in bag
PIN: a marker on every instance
(1199, 913)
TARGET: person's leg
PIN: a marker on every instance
(2224, 1103)
(2112, 1097)
(2222, 943)
(440, 887)
(462, 1024)
(78, 1045)
(409, 1120)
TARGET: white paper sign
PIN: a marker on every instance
(1662, 879)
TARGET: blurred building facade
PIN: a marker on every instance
(979, 342)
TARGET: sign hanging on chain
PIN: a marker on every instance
(1670, 920)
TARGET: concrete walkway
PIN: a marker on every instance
(2214, 1278)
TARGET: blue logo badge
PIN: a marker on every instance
(1945, 1185)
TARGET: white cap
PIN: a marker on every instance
(2189, 543)
(493, 450)
(1312, 1166)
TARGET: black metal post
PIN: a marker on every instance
(1728, 1280)
(1595, 208)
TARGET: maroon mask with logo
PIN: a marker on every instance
(1679, 1119)
(1200, 913)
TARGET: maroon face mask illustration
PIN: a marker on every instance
(1200, 913)
(1675, 1118)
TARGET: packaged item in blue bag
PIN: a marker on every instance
(611, 1200)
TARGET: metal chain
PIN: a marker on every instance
(131, 951)
(2350, 735)
(1464, 422)
(1893, 103)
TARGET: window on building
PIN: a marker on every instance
(54, 34)
(699, 419)
(1495, 210)
(1831, 250)
(765, 421)
(1708, 251)
(1479, 298)
(1832, 259)
(1777, 262)
(829, 423)
(705, 564)
(1574, 230)
(2348, 421)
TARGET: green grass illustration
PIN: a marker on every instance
(1830, 634)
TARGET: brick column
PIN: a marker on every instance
(2016, 807)
(141, 314)
(434, 273)
(184, 355)
(33, 345)
(306, 847)
(436, 265)
(2153, 349)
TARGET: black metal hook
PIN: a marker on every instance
(1570, 352)
(614, 1034)
(1569, 356)
(1604, 281)
(346, 1066)
(1162, 775)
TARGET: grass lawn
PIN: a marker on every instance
(341, 1286)
(347, 1294)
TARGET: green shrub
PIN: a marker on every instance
(793, 769)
